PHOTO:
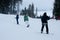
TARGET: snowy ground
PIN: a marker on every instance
(9, 30)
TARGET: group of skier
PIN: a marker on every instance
(26, 19)
(44, 20)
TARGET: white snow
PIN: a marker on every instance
(9, 30)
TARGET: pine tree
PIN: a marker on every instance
(56, 10)
(4, 5)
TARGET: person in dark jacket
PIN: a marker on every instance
(44, 20)
(17, 17)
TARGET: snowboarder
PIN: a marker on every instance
(26, 20)
(17, 17)
(44, 20)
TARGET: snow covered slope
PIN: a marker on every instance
(9, 30)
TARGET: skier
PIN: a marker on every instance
(26, 20)
(17, 17)
(44, 20)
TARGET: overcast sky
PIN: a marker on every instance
(40, 4)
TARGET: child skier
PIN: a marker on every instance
(26, 20)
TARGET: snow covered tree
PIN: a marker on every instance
(31, 10)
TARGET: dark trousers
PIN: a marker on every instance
(45, 24)
(17, 21)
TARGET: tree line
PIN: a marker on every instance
(6, 5)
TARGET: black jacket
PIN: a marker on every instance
(17, 16)
(45, 18)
